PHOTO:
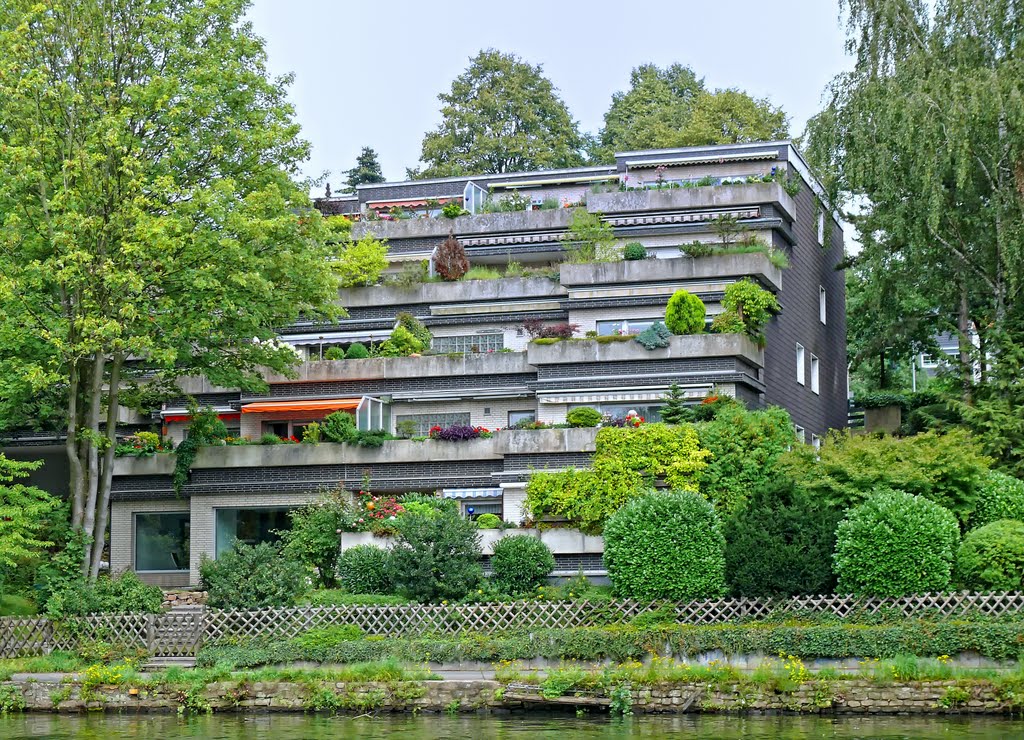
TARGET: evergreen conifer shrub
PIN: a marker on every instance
(685, 313)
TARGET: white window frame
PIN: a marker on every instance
(801, 362)
(821, 226)
(801, 434)
(815, 374)
(816, 441)
(822, 305)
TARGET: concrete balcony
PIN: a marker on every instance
(482, 223)
(677, 199)
(576, 351)
(714, 267)
(514, 442)
(465, 291)
(426, 366)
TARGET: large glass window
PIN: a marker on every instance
(251, 526)
(418, 425)
(161, 541)
(622, 327)
(469, 343)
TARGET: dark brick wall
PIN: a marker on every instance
(811, 266)
(553, 461)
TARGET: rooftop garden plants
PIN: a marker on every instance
(361, 263)
(747, 309)
(450, 260)
(685, 313)
(458, 433)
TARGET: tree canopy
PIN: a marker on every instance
(501, 115)
(150, 209)
(670, 107)
(924, 142)
(367, 170)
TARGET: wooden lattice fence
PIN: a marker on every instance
(181, 633)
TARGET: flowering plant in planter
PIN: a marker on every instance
(459, 433)
(376, 513)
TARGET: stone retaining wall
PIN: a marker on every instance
(850, 696)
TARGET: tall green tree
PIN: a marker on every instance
(501, 115)
(924, 139)
(150, 210)
(367, 170)
(670, 107)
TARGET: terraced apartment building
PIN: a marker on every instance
(483, 370)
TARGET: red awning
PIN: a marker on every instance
(185, 417)
(407, 203)
(337, 404)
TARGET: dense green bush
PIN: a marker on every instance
(626, 462)
(895, 544)
(339, 427)
(520, 564)
(313, 537)
(745, 449)
(252, 577)
(665, 545)
(685, 313)
(1000, 496)
(436, 558)
(357, 351)
(401, 343)
(634, 251)
(366, 569)
(488, 521)
(334, 353)
(948, 469)
(583, 416)
(428, 504)
(780, 543)
(749, 304)
(122, 594)
(415, 327)
(338, 597)
(991, 558)
(362, 263)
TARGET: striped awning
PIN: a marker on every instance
(625, 397)
(334, 404)
(471, 492)
(636, 164)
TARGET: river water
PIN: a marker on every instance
(519, 727)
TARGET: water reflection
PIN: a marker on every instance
(306, 727)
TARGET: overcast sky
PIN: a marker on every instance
(368, 73)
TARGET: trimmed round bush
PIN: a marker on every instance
(1000, 496)
(365, 569)
(583, 416)
(357, 351)
(334, 353)
(991, 558)
(488, 521)
(895, 544)
(634, 251)
(685, 313)
(665, 545)
(781, 543)
(520, 563)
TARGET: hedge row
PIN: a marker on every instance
(1000, 641)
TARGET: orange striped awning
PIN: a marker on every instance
(336, 404)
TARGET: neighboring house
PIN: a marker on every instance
(483, 369)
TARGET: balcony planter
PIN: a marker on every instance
(714, 267)
(675, 199)
(684, 347)
(482, 223)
